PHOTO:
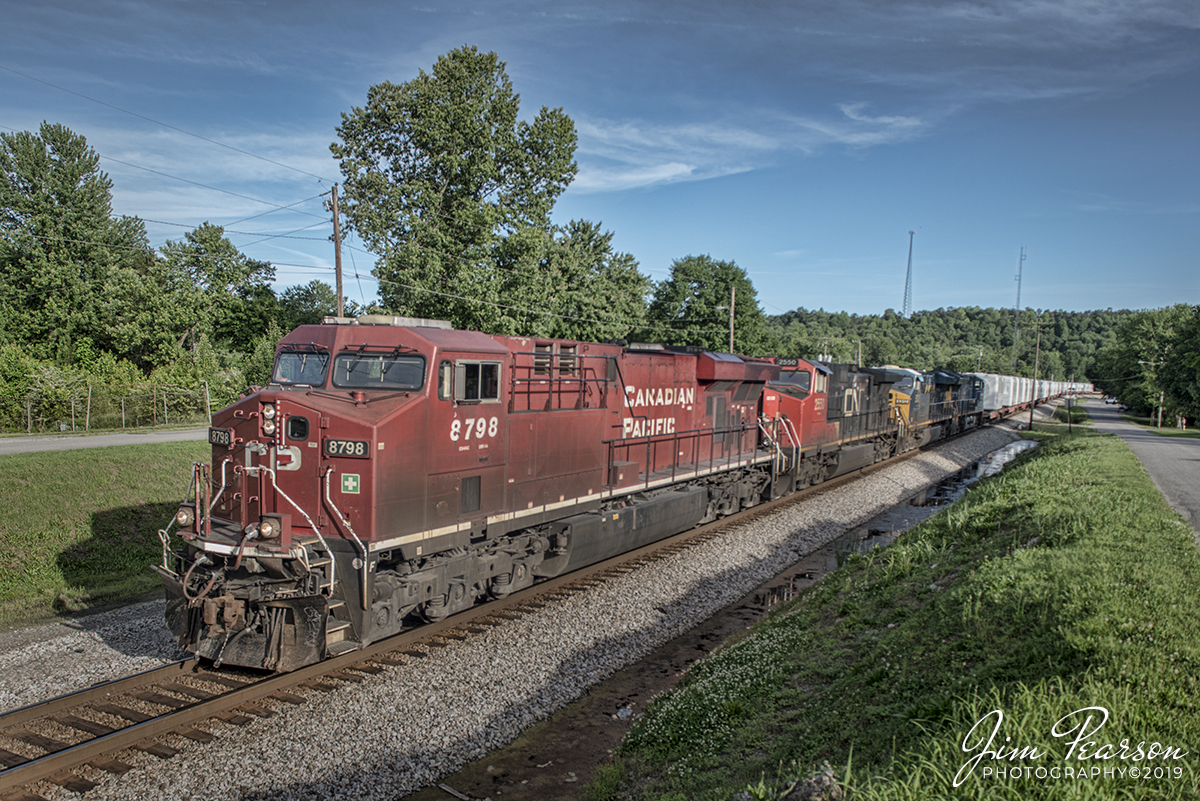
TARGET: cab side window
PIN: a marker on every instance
(477, 382)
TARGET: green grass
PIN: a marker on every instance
(79, 528)
(1062, 583)
(1078, 415)
(1167, 430)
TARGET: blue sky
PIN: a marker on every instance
(802, 140)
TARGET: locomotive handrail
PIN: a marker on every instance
(365, 554)
(299, 509)
(651, 443)
(553, 377)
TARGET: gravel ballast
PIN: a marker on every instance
(405, 728)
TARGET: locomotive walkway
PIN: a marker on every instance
(1172, 462)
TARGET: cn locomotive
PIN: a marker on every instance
(397, 470)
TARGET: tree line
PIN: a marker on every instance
(453, 192)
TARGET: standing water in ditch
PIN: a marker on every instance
(883, 529)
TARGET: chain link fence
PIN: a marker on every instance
(106, 408)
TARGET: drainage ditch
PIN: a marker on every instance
(885, 528)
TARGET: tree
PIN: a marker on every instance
(1134, 368)
(570, 283)
(215, 286)
(1181, 378)
(602, 293)
(59, 240)
(439, 172)
(691, 307)
(311, 303)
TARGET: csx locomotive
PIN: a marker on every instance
(397, 469)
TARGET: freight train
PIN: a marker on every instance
(397, 470)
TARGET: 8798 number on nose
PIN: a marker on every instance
(346, 447)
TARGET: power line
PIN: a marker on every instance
(165, 125)
(276, 206)
(250, 233)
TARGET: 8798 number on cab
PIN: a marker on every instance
(347, 447)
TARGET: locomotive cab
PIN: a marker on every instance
(282, 519)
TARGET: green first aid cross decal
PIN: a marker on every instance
(350, 483)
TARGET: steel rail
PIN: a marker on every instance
(61, 762)
(82, 697)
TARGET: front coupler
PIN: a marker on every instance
(280, 634)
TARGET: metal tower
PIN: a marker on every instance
(1017, 310)
(908, 280)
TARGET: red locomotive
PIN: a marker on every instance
(396, 469)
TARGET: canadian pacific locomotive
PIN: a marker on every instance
(398, 469)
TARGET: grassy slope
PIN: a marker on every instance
(79, 527)
(1065, 582)
(1167, 430)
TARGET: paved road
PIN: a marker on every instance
(70, 442)
(1172, 462)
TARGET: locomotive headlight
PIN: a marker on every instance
(185, 517)
(268, 426)
(268, 411)
(268, 529)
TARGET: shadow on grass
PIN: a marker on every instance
(112, 566)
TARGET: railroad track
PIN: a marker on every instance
(53, 740)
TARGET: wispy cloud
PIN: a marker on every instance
(624, 155)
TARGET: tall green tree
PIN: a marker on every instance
(602, 294)
(59, 240)
(1181, 363)
(308, 304)
(571, 283)
(691, 307)
(220, 293)
(449, 187)
(1138, 366)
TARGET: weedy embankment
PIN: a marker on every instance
(1065, 582)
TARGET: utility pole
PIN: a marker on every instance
(1036, 353)
(337, 252)
(1070, 397)
(1017, 310)
(732, 298)
(907, 311)
(1162, 393)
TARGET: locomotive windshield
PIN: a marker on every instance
(378, 371)
(300, 367)
(797, 383)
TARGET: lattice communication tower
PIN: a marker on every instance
(908, 281)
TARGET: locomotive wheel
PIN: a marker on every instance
(435, 609)
(455, 600)
(502, 585)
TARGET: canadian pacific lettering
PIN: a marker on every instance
(659, 396)
(634, 427)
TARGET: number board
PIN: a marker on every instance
(220, 436)
(347, 447)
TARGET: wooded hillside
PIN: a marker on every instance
(964, 339)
